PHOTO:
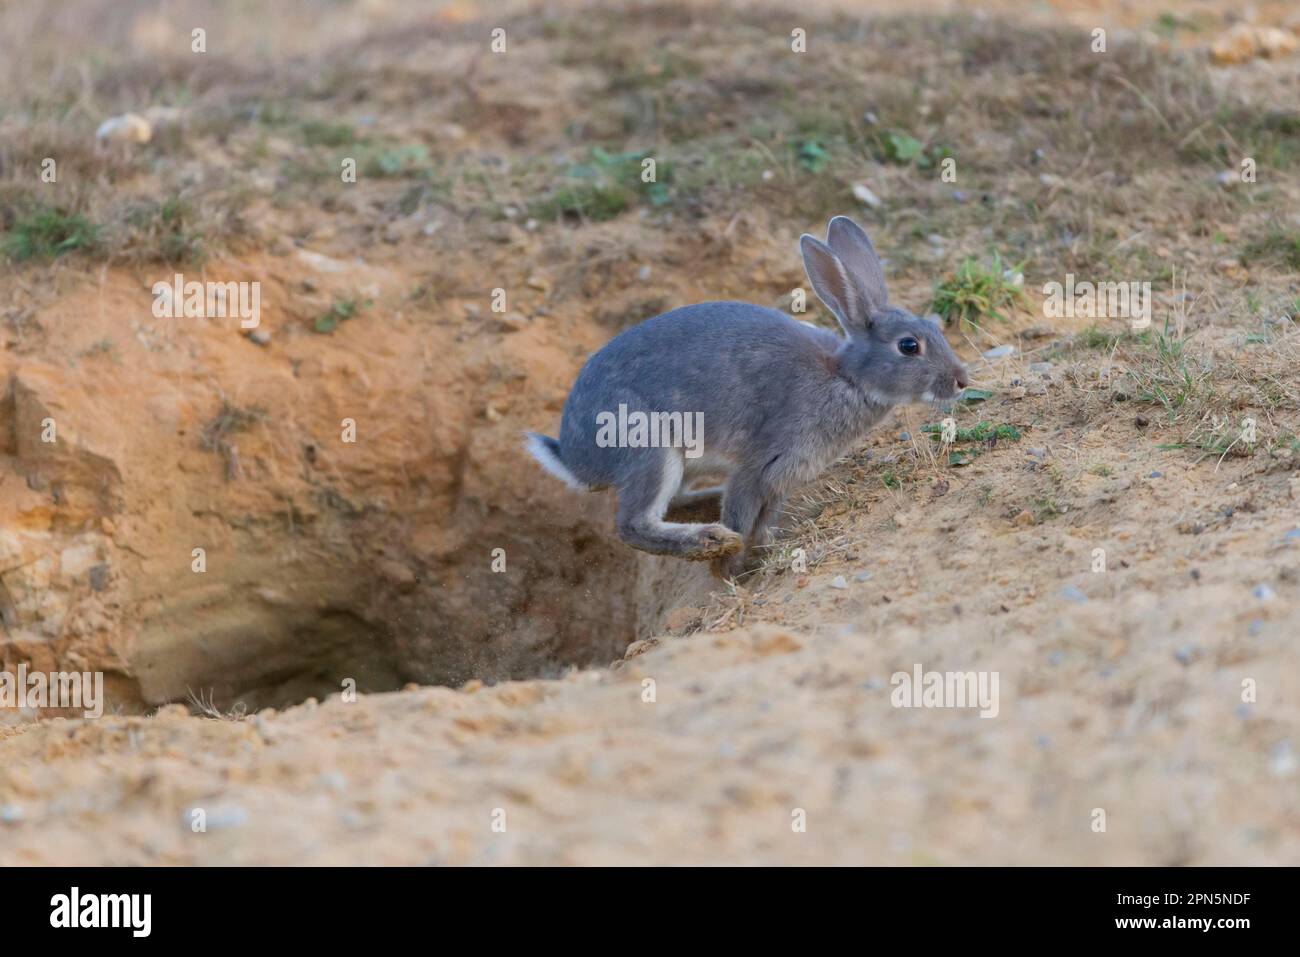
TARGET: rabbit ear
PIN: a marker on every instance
(831, 282)
(854, 248)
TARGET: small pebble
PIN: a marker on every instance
(1186, 654)
(1264, 592)
(1041, 367)
(127, 128)
(999, 352)
(839, 582)
(352, 820)
(1156, 475)
(333, 781)
(10, 813)
(904, 436)
(862, 576)
(866, 197)
(1072, 593)
(1282, 761)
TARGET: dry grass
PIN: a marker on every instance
(1051, 141)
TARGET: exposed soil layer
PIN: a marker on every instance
(322, 558)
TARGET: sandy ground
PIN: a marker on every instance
(1152, 687)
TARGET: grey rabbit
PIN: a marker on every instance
(778, 400)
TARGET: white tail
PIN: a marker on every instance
(546, 451)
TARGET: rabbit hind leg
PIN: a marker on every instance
(644, 495)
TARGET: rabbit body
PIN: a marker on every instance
(796, 424)
(744, 391)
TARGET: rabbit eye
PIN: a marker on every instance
(909, 346)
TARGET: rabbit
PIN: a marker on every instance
(779, 400)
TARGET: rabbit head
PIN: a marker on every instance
(893, 356)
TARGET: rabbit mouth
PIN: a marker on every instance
(943, 403)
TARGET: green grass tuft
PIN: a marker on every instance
(1278, 245)
(316, 133)
(342, 310)
(606, 187)
(44, 232)
(1169, 378)
(976, 291)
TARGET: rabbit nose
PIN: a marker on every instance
(961, 378)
